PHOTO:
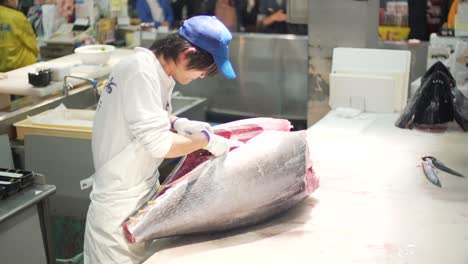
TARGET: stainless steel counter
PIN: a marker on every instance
(79, 98)
(272, 78)
(23, 199)
(25, 233)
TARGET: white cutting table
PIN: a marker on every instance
(374, 204)
(17, 81)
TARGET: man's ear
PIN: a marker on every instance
(184, 54)
(189, 51)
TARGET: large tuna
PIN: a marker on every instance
(269, 174)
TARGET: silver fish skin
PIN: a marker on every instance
(269, 174)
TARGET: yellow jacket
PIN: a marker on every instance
(18, 45)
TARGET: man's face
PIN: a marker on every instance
(183, 75)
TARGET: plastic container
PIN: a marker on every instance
(59, 71)
(26, 178)
(376, 77)
(41, 78)
(95, 54)
(11, 186)
(68, 240)
(393, 33)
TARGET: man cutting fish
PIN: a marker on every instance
(134, 131)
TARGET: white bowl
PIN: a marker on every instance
(95, 54)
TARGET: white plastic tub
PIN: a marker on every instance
(95, 54)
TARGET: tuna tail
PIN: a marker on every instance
(430, 172)
(441, 166)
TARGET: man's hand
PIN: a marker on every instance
(218, 145)
(185, 127)
(278, 16)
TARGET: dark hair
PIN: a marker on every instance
(171, 46)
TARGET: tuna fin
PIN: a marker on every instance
(441, 166)
(430, 172)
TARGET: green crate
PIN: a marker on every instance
(68, 239)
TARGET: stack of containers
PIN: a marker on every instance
(370, 80)
(393, 21)
(396, 14)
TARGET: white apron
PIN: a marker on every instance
(131, 136)
(104, 238)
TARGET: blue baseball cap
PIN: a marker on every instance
(210, 34)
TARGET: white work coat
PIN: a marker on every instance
(131, 135)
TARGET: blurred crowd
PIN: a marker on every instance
(21, 21)
(265, 16)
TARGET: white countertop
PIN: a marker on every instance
(17, 81)
(374, 204)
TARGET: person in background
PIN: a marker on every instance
(18, 44)
(184, 9)
(134, 131)
(249, 17)
(24, 5)
(417, 20)
(66, 8)
(426, 17)
(180, 10)
(272, 17)
(230, 13)
(158, 12)
(437, 13)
